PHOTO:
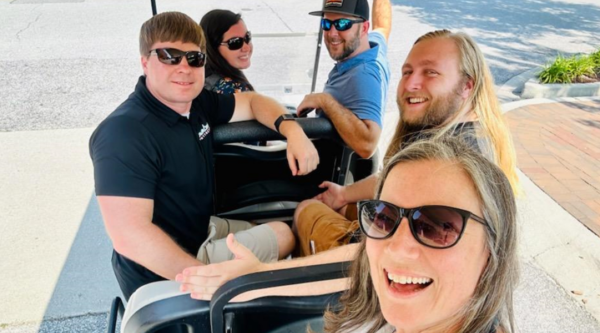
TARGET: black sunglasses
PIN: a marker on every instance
(342, 24)
(236, 43)
(174, 57)
(438, 227)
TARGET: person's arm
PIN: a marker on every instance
(128, 222)
(337, 196)
(250, 105)
(203, 281)
(125, 177)
(360, 135)
(382, 17)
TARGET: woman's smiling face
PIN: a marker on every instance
(431, 284)
(241, 58)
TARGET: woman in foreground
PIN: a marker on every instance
(440, 248)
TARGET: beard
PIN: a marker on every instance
(349, 47)
(440, 109)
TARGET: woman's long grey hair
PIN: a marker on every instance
(492, 301)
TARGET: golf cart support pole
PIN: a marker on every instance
(153, 2)
(317, 55)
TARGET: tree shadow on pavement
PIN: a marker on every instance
(515, 35)
(594, 108)
(590, 123)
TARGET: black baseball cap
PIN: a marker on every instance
(358, 8)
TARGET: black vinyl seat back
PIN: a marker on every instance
(247, 176)
(273, 314)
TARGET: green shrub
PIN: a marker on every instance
(572, 69)
(583, 66)
(596, 57)
(560, 71)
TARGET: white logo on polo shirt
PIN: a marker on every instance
(203, 132)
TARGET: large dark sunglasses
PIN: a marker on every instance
(439, 227)
(174, 57)
(342, 24)
(236, 43)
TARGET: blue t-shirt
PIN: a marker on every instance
(360, 83)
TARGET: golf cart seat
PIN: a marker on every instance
(255, 183)
(160, 305)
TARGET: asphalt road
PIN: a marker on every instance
(66, 64)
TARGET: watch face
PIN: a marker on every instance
(287, 116)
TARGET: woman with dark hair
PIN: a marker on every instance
(229, 49)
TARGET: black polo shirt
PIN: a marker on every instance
(144, 149)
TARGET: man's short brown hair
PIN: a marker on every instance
(170, 27)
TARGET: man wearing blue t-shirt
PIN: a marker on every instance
(355, 93)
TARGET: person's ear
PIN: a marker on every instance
(467, 88)
(365, 28)
(144, 61)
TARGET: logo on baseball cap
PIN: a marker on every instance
(359, 8)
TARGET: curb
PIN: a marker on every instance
(506, 107)
(533, 89)
(511, 90)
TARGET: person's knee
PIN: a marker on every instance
(300, 208)
(285, 238)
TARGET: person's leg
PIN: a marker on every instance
(319, 228)
(301, 206)
(283, 234)
(269, 242)
(285, 238)
(350, 211)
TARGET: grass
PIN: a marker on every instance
(583, 68)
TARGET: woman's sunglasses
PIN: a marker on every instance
(342, 24)
(438, 227)
(236, 43)
(174, 57)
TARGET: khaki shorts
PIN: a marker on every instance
(326, 228)
(261, 240)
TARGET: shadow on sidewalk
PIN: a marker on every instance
(86, 284)
(500, 27)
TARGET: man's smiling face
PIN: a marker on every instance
(342, 44)
(432, 87)
(174, 85)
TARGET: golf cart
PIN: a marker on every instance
(254, 183)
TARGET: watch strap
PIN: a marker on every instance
(285, 116)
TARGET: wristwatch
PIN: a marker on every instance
(284, 117)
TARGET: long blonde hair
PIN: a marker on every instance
(482, 101)
(492, 300)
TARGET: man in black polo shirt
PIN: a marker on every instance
(153, 161)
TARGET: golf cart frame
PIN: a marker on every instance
(255, 184)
